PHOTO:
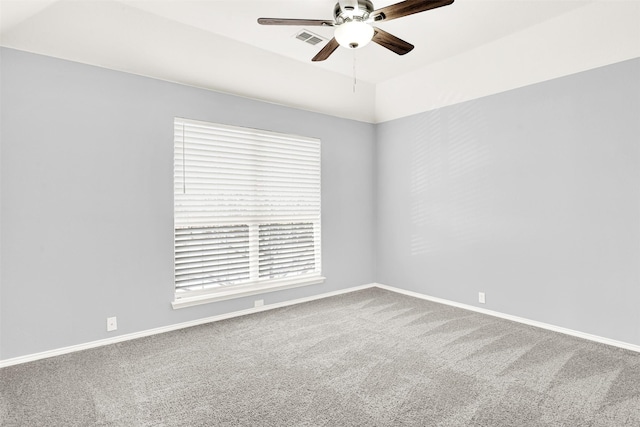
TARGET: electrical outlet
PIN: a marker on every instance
(112, 324)
(481, 299)
(258, 303)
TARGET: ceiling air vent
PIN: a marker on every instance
(309, 37)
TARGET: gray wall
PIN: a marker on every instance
(532, 196)
(87, 199)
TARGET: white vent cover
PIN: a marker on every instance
(308, 37)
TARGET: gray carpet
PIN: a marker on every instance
(369, 358)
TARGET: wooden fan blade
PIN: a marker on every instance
(300, 22)
(326, 51)
(391, 42)
(407, 7)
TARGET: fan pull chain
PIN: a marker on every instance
(354, 71)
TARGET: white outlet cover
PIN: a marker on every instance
(112, 324)
(481, 298)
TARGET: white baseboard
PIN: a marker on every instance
(583, 335)
(149, 332)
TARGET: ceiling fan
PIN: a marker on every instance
(353, 22)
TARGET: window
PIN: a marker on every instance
(246, 211)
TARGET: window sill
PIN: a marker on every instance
(243, 291)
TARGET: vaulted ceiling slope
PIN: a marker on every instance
(470, 49)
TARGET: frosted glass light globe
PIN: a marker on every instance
(353, 34)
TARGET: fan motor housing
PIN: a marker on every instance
(351, 13)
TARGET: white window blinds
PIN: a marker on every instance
(246, 207)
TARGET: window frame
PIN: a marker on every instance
(256, 285)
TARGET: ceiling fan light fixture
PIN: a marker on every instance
(353, 22)
(353, 34)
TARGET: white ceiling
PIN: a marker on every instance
(469, 49)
